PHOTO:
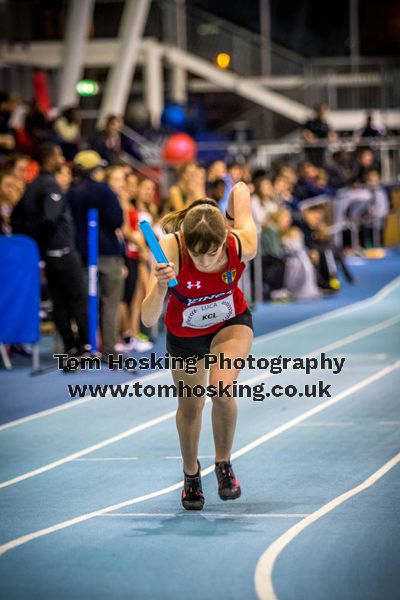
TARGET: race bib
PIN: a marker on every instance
(211, 313)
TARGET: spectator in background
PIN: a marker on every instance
(37, 126)
(107, 142)
(369, 130)
(18, 110)
(300, 276)
(273, 257)
(216, 190)
(263, 201)
(365, 162)
(217, 170)
(89, 193)
(235, 171)
(43, 214)
(7, 134)
(135, 249)
(190, 186)
(315, 131)
(64, 178)
(11, 192)
(146, 203)
(17, 164)
(132, 185)
(147, 210)
(306, 186)
(289, 173)
(283, 193)
(322, 251)
(68, 131)
(378, 211)
(341, 169)
(322, 183)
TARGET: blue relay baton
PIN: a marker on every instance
(155, 247)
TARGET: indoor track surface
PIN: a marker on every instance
(90, 494)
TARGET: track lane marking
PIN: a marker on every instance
(215, 515)
(69, 404)
(263, 573)
(387, 289)
(20, 541)
(171, 414)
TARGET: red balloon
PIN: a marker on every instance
(179, 148)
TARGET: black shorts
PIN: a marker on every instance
(199, 345)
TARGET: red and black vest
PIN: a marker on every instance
(202, 302)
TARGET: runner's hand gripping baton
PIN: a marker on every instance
(155, 247)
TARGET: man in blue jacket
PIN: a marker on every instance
(85, 194)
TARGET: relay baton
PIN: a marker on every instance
(155, 247)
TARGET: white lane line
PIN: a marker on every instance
(103, 444)
(171, 415)
(263, 573)
(213, 515)
(177, 486)
(385, 291)
(180, 457)
(71, 404)
(341, 342)
(284, 331)
(106, 459)
(327, 424)
(366, 355)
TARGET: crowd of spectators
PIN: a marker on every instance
(49, 180)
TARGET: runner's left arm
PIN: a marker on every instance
(239, 208)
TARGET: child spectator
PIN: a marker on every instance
(300, 276)
(273, 257)
(323, 253)
(283, 193)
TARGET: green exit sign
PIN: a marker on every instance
(87, 87)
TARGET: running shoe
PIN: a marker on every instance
(192, 493)
(123, 347)
(141, 345)
(228, 485)
(137, 344)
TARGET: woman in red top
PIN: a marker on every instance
(206, 314)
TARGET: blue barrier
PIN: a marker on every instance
(93, 251)
(20, 290)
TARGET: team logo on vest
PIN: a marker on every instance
(191, 285)
(229, 276)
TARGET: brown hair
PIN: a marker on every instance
(202, 223)
(182, 168)
(110, 170)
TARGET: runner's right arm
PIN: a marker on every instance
(157, 288)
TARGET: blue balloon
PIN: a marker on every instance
(173, 116)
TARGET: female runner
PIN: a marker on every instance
(206, 314)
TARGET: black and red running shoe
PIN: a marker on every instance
(192, 493)
(228, 485)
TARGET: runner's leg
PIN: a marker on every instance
(188, 416)
(235, 342)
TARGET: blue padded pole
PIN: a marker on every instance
(93, 251)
